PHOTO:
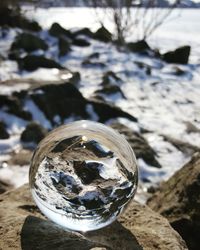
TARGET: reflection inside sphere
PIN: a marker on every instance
(82, 175)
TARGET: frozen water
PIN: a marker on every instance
(82, 175)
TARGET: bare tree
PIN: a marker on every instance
(138, 18)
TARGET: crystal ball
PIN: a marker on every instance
(82, 175)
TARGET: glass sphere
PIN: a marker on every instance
(82, 175)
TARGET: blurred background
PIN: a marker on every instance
(133, 65)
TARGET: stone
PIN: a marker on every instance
(84, 31)
(33, 132)
(180, 55)
(103, 35)
(185, 147)
(107, 111)
(94, 55)
(144, 66)
(59, 99)
(4, 187)
(178, 199)
(28, 229)
(28, 42)
(64, 46)
(3, 132)
(14, 106)
(13, 18)
(32, 62)
(58, 31)
(110, 78)
(81, 42)
(93, 63)
(191, 128)
(138, 47)
(111, 90)
(75, 79)
(65, 100)
(139, 144)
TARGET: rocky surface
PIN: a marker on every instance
(179, 201)
(58, 31)
(139, 144)
(13, 18)
(28, 42)
(4, 186)
(110, 90)
(14, 106)
(139, 46)
(3, 131)
(33, 132)
(32, 62)
(185, 147)
(139, 228)
(65, 100)
(64, 46)
(180, 55)
(102, 34)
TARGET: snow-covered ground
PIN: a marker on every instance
(162, 101)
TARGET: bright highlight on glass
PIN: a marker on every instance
(82, 175)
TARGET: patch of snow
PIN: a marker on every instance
(37, 114)
(15, 175)
(14, 124)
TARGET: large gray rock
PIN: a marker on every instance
(179, 201)
(33, 132)
(139, 228)
(28, 42)
(102, 34)
(33, 62)
(180, 55)
(139, 144)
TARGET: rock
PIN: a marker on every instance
(65, 99)
(84, 31)
(3, 132)
(13, 18)
(93, 63)
(32, 62)
(33, 132)
(64, 46)
(138, 47)
(60, 100)
(180, 55)
(14, 105)
(75, 79)
(58, 31)
(94, 55)
(28, 229)
(102, 34)
(81, 42)
(139, 144)
(178, 71)
(184, 147)
(191, 128)
(28, 42)
(4, 187)
(144, 66)
(110, 78)
(179, 201)
(14, 55)
(107, 111)
(111, 90)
